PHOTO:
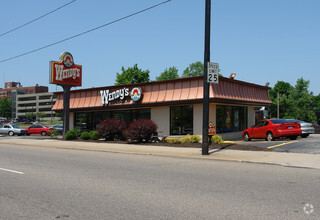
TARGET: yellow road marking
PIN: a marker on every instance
(278, 145)
(230, 142)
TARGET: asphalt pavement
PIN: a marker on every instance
(54, 183)
(278, 158)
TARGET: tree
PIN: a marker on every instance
(40, 115)
(171, 73)
(302, 102)
(194, 69)
(132, 75)
(5, 107)
(283, 89)
(30, 115)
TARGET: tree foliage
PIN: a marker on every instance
(132, 75)
(171, 73)
(294, 101)
(5, 107)
(194, 69)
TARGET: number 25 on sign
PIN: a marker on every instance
(213, 69)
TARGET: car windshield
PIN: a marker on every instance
(15, 126)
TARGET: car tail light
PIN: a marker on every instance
(298, 125)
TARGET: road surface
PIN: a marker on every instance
(49, 183)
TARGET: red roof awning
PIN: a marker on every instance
(186, 90)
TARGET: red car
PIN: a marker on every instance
(40, 129)
(270, 129)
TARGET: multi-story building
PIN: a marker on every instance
(34, 103)
(12, 89)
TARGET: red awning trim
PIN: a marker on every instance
(187, 90)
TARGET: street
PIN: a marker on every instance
(49, 183)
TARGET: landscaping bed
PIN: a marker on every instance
(224, 146)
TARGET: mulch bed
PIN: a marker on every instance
(225, 146)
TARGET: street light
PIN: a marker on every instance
(232, 75)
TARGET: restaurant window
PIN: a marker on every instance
(231, 118)
(181, 120)
(90, 121)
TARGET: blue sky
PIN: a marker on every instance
(259, 40)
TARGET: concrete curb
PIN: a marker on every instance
(277, 158)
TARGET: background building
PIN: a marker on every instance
(12, 89)
(36, 103)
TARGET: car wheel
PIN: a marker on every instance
(28, 134)
(270, 136)
(293, 138)
(304, 135)
(247, 137)
(43, 133)
(11, 133)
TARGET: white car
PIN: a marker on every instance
(306, 128)
(11, 130)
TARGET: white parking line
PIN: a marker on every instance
(12, 171)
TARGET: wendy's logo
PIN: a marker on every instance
(136, 94)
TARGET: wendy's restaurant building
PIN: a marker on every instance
(176, 106)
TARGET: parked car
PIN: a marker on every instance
(270, 129)
(39, 129)
(58, 128)
(307, 128)
(11, 130)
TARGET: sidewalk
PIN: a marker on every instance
(278, 158)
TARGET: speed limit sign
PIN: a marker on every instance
(213, 69)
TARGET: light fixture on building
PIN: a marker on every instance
(267, 84)
(232, 75)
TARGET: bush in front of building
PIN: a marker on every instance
(71, 134)
(85, 135)
(94, 135)
(172, 140)
(111, 129)
(217, 139)
(186, 139)
(195, 139)
(141, 130)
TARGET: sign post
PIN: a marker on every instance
(66, 74)
(205, 119)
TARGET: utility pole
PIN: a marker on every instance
(205, 121)
(278, 106)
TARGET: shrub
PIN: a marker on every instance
(111, 129)
(173, 140)
(141, 130)
(195, 139)
(217, 139)
(186, 139)
(72, 134)
(85, 135)
(94, 135)
(54, 134)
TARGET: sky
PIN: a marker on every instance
(259, 40)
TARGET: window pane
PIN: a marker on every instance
(181, 120)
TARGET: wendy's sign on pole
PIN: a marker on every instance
(66, 74)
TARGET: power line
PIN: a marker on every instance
(37, 18)
(93, 29)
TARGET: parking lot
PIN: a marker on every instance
(310, 145)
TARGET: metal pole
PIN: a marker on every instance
(66, 103)
(278, 106)
(205, 122)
